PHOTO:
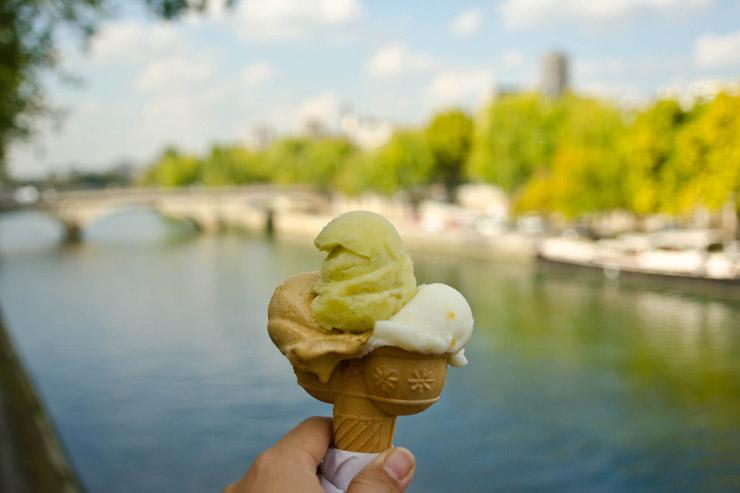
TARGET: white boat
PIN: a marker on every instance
(695, 254)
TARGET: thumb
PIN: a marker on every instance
(390, 472)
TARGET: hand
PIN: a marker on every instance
(290, 465)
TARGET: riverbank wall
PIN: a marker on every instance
(31, 456)
(305, 227)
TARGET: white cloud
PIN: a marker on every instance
(589, 68)
(189, 120)
(466, 23)
(512, 59)
(614, 78)
(169, 89)
(257, 73)
(164, 57)
(625, 94)
(688, 91)
(175, 72)
(718, 50)
(460, 87)
(275, 20)
(519, 14)
(397, 59)
(128, 40)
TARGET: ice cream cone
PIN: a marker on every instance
(368, 393)
(366, 296)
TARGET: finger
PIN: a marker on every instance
(308, 440)
(390, 472)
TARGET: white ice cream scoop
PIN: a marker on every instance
(437, 320)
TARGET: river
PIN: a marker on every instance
(148, 346)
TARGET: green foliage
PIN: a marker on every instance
(646, 149)
(323, 160)
(573, 156)
(405, 161)
(449, 136)
(304, 160)
(233, 165)
(665, 160)
(583, 172)
(287, 161)
(27, 38)
(705, 168)
(514, 136)
(351, 177)
(170, 9)
(173, 169)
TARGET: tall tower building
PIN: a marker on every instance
(554, 76)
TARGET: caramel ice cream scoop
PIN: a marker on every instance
(307, 345)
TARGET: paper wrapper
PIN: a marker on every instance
(340, 467)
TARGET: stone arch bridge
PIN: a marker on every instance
(209, 209)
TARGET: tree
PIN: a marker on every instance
(449, 136)
(585, 174)
(647, 150)
(173, 169)
(234, 165)
(284, 157)
(513, 137)
(353, 176)
(324, 158)
(705, 170)
(406, 160)
(305, 160)
(28, 38)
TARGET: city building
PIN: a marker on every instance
(366, 133)
(554, 74)
(260, 137)
(315, 128)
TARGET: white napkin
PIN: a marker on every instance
(340, 467)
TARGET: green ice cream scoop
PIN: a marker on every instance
(367, 275)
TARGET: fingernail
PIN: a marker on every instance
(398, 464)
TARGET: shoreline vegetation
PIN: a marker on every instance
(565, 159)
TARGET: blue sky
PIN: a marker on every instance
(213, 78)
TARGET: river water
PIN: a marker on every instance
(148, 346)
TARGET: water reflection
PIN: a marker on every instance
(31, 231)
(154, 358)
(25, 232)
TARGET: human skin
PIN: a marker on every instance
(291, 464)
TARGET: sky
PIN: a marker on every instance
(144, 84)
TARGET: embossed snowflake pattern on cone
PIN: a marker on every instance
(368, 393)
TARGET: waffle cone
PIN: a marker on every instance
(368, 393)
(359, 425)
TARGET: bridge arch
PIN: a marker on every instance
(209, 210)
(75, 221)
